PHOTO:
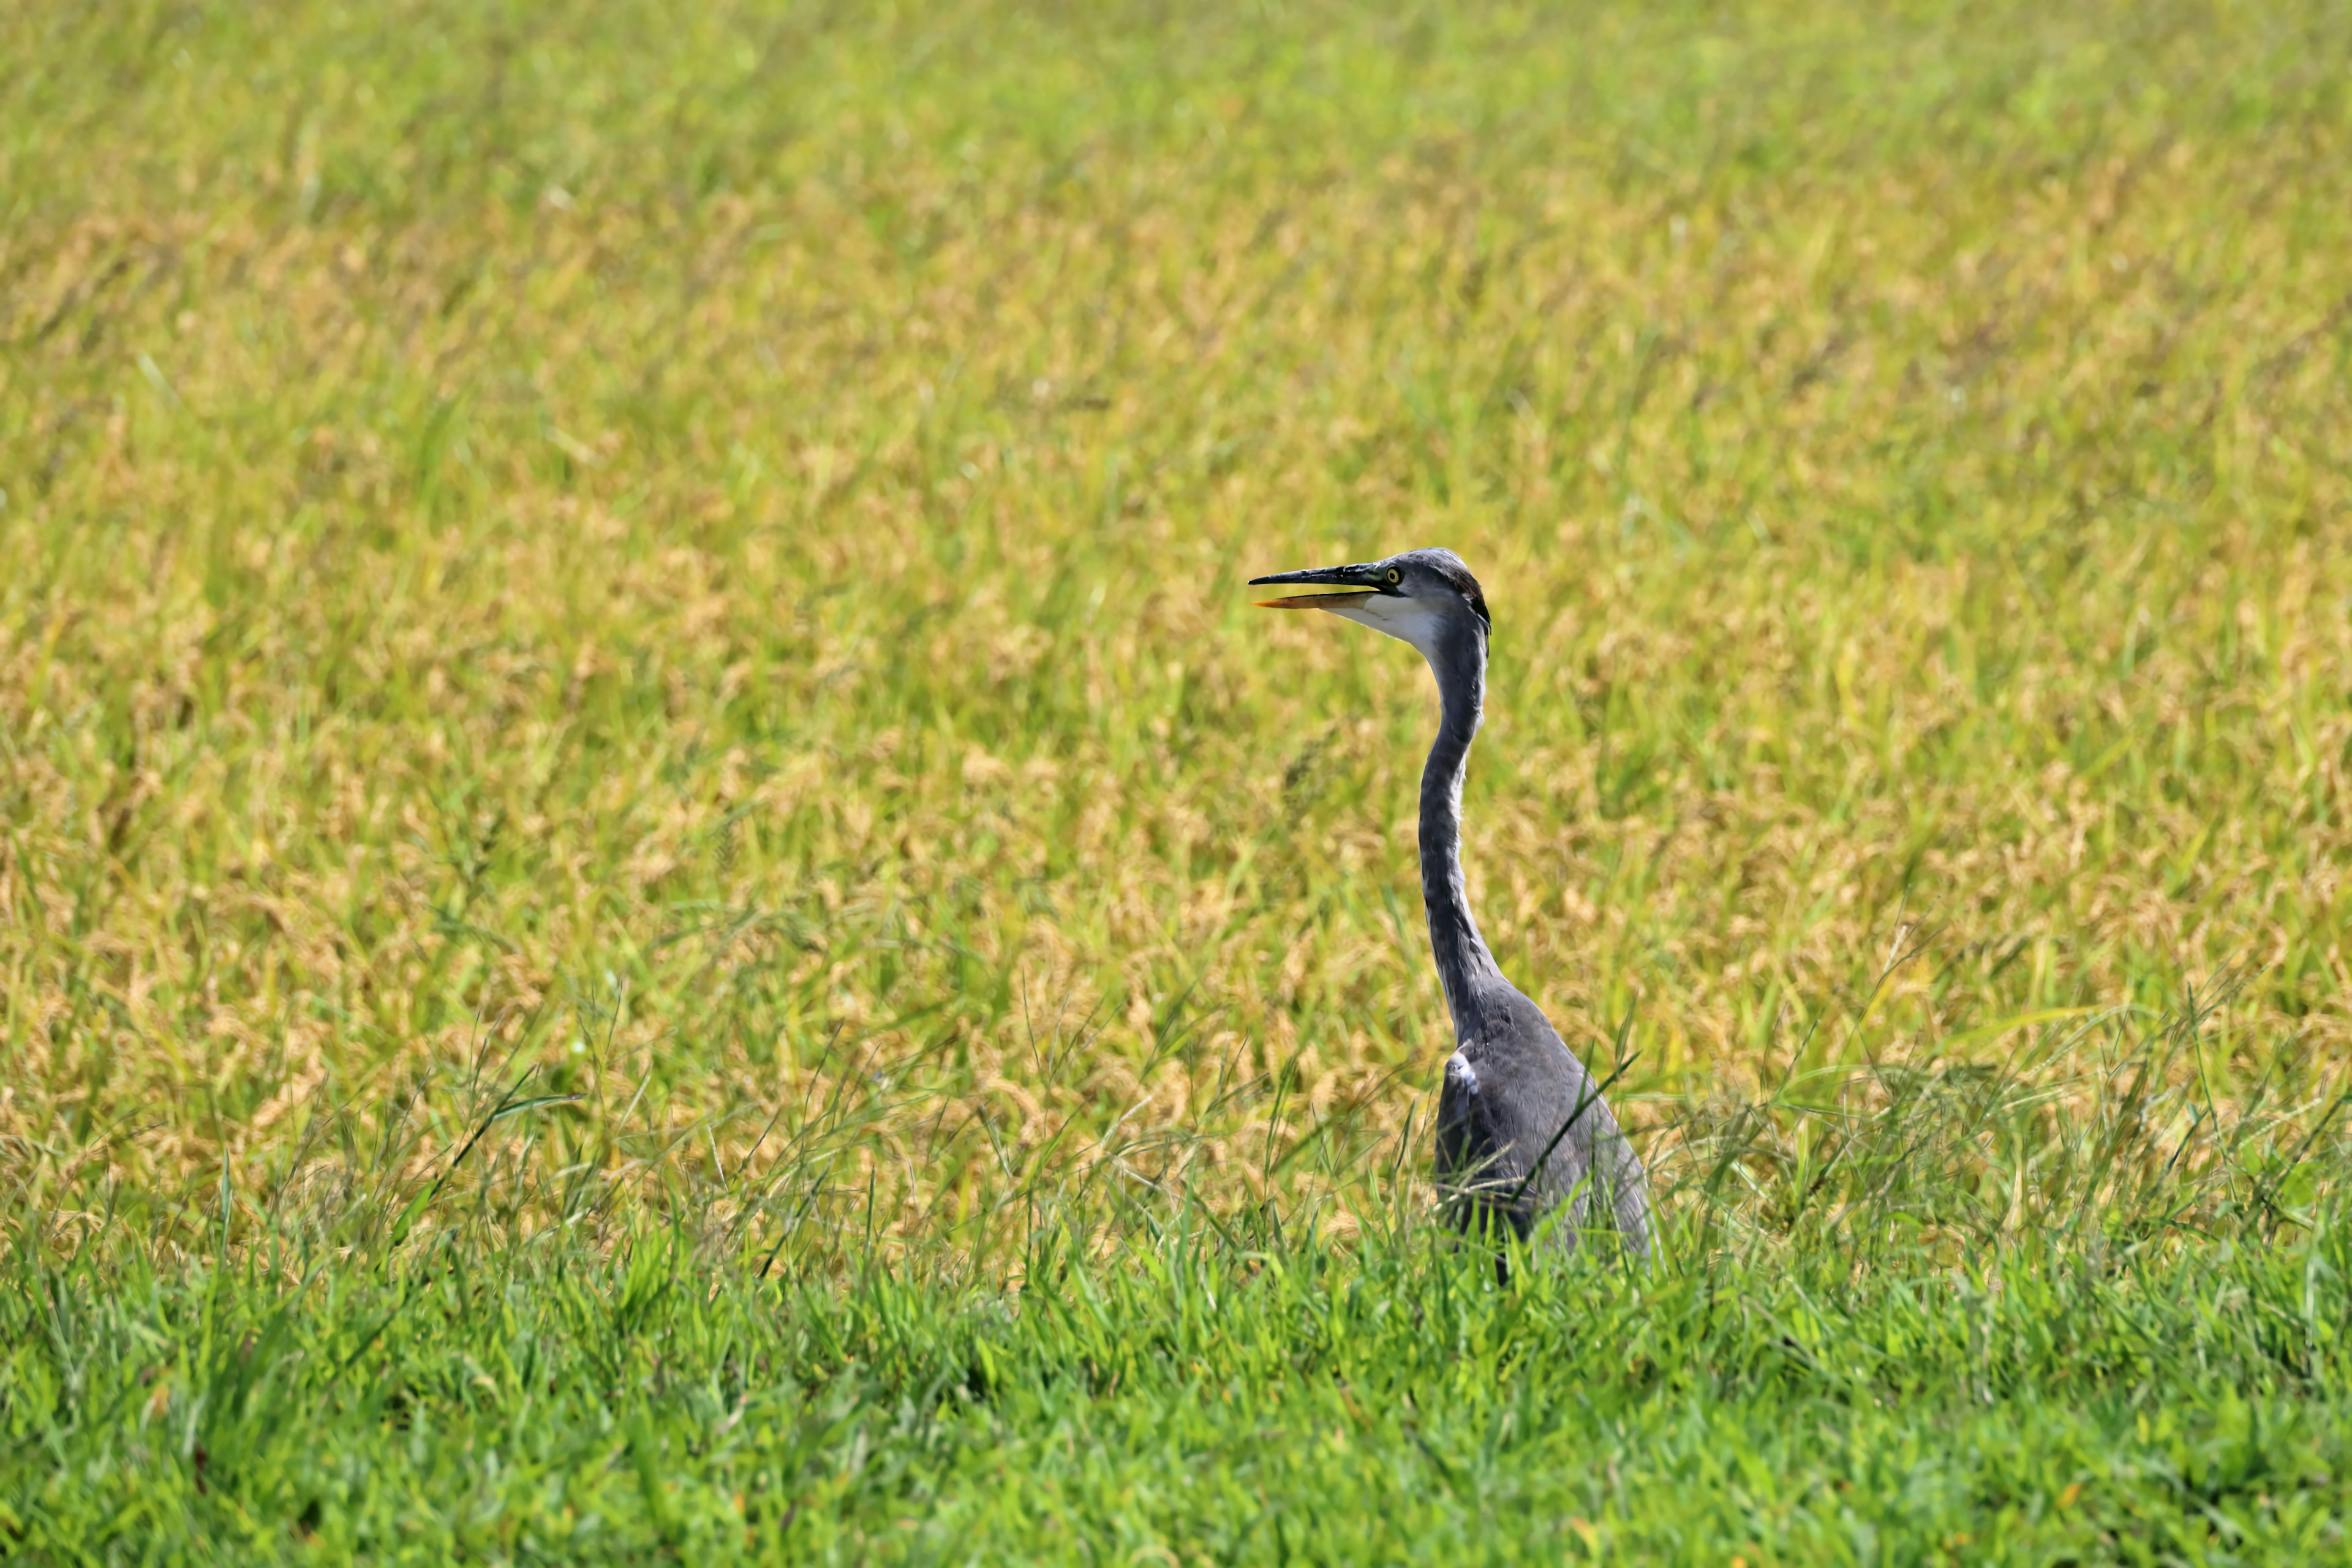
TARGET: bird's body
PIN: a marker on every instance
(1522, 1132)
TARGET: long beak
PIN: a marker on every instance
(1359, 578)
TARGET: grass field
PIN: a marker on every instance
(658, 901)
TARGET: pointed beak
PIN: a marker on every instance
(1359, 579)
(1310, 601)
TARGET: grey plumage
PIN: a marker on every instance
(1522, 1129)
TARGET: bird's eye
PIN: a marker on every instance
(1395, 575)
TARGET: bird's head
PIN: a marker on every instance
(1425, 597)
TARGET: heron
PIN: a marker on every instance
(1523, 1134)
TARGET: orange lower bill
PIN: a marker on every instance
(1310, 601)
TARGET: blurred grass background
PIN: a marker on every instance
(633, 614)
(668, 542)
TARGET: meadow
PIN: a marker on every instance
(659, 900)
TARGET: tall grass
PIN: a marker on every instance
(650, 872)
(1921, 1320)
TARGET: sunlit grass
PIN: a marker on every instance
(619, 625)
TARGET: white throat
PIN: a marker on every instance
(1407, 620)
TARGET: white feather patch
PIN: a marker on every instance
(1407, 620)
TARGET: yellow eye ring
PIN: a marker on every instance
(1395, 575)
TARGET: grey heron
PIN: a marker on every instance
(1522, 1129)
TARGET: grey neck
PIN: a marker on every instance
(1464, 964)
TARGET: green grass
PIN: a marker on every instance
(656, 895)
(538, 1406)
(2110, 1381)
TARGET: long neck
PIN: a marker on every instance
(1464, 966)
